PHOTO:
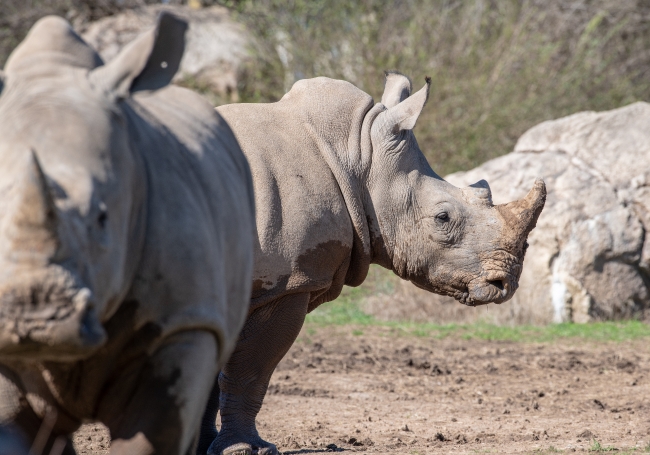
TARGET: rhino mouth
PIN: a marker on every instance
(49, 319)
(494, 289)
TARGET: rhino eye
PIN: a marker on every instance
(442, 216)
(102, 218)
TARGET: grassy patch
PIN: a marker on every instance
(597, 447)
(346, 310)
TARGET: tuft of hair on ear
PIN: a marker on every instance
(427, 80)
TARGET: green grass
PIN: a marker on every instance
(346, 310)
(597, 447)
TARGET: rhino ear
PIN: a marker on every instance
(147, 63)
(2, 81)
(397, 88)
(404, 115)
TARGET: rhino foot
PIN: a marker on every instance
(270, 449)
(240, 448)
(258, 446)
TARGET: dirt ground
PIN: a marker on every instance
(371, 390)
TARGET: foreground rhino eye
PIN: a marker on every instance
(102, 218)
(442, 216)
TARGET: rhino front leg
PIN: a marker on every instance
(208, 428)
(268, 334)
(154, 405)
(45, 429)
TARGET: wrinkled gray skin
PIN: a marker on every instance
(126, 243)
(341, 183)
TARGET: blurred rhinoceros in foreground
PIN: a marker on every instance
(126, 242)
(340, 183)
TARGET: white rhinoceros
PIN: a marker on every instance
(340, 183)
(126, 242)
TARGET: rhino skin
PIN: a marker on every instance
(127, 237)
(340, 183)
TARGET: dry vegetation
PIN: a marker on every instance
(498, 66)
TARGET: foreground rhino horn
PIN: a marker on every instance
(35, 219)
(522, 215)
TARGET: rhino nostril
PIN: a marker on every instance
(497, 284)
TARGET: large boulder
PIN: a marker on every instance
(216, 46)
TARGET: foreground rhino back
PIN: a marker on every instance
(202, 199)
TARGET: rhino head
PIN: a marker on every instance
(448, 240)
(72, 185)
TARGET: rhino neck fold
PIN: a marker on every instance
(350, 164)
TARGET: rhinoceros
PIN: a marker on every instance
(341, 183)
(127, 234)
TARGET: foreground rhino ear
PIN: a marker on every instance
(148, 63)
(404, 115)
(397, 88)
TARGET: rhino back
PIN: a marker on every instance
(305, 232)
(198, 253)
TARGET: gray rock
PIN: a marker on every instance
(215, 48)
(588, 258)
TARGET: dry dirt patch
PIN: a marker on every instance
(342, 390)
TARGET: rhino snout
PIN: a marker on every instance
(66, 328)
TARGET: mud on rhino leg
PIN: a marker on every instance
(154, 405)
(41, 435)
(266, 337)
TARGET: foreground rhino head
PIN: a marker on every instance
(444, 239)
(71, 192)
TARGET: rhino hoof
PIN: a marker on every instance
(269, 450)
(238, 449)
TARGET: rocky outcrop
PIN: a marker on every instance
(215, 48)
(588, 257)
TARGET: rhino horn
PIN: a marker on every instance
(479, 192)
(35, 219)
(521, 216)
